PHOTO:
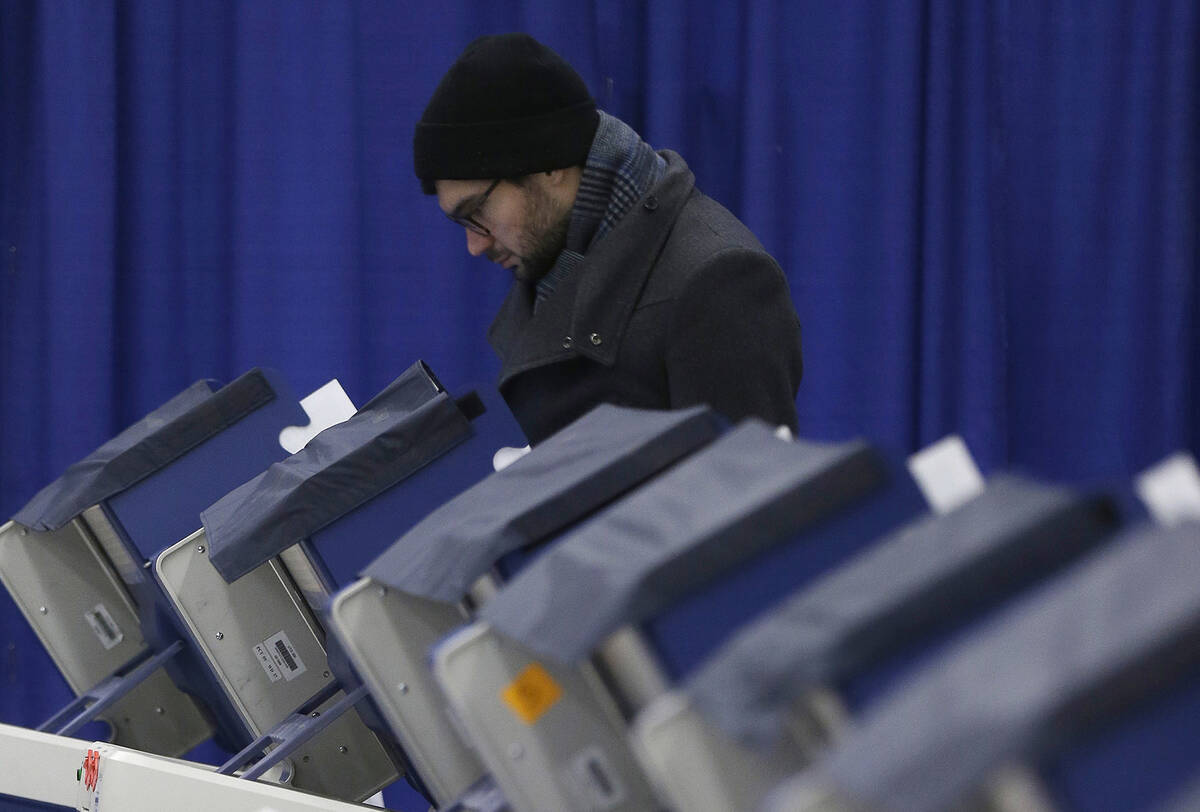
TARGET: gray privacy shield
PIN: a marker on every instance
(1117, 624)
(158, 439)
(566, 477)
(743, 494)
(402, 429)
(932, 569)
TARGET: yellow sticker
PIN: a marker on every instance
(532, 693)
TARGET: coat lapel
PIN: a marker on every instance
(590, 309)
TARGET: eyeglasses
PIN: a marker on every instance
(466, 218)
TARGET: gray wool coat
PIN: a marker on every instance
(678, 305)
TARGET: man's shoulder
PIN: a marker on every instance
(703, 224)
(705, 233)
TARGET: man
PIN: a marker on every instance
(631, 287)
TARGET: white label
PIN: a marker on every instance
(594, 778)
(507, 455)
(279, 658)
(946, 474)
(104, 626)
(267, 663)
(325, 407)
(1171, 489)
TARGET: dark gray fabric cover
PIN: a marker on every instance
(402, 429)
(930, 569)
(744, 493)
(167, 433)
(1117, 624)
(567, 476)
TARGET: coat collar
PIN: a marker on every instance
(590, 309)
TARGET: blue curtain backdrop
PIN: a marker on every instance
(987, 211)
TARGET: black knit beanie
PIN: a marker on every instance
(509, 106)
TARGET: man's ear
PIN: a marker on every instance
(565, 180)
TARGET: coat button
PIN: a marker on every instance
(596, 339)
(568, 342)
(651, 203)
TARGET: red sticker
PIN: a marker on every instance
(91, 769)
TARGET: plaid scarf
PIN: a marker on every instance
(620, 168)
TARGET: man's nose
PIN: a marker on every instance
(477, 243)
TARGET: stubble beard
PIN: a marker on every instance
(547, 229)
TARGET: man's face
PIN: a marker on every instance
(526, 225)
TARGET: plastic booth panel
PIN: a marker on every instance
(548, 735)
(388, 635)
(268, 652)
(69, 592)
(695, 766)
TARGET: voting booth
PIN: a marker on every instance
(649, 610)
(251, 586)
(1083, 695)
(675, 566)
(75, 557)
(779, 691)
(429, 582)
(684, 559)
